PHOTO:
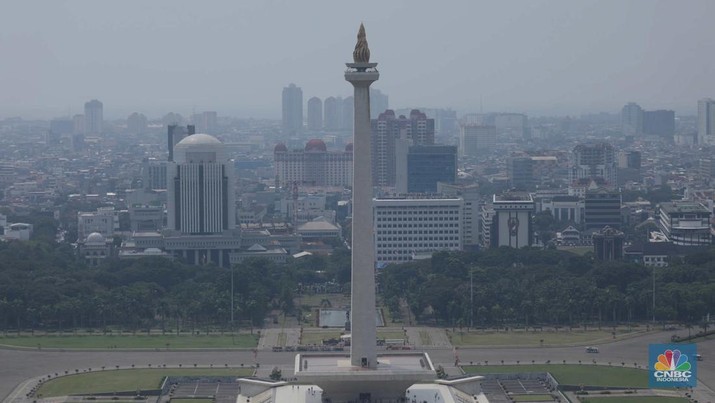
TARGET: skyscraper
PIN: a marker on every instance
(386, 129)
(315, 114)
(593, 161)
(175, 134)
(200, 197)
(421, 167)
(378, 102)
(93, 117)
(659, 123)
(136, 123)
(205, 122)
(706, 121)
(292, 110)
(333, 113)
(632, 119)
(476, 139)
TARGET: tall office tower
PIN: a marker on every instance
(292, 110)
(205, 122)
(476, 139)
(93, 117)
(594, 161)
(629, 167)
(632, 119)
(79, 124)
(511, 223)
(602, 207)
(706, 121)
(470, 212)
(420, 167)
(136, 123)
(361, 74)
(175, 134)
(333, 113)
(348, 111)
(200, 195)
(379, 102)
(520, 170)
(154, 174)
(315, 114)
(386, 129)
(659, 123)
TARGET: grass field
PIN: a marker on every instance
(592, 375)
(126, 380)
(316, 336)
(129, 341)
(634, 399)
(530, 338)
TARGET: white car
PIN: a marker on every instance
(592, 349)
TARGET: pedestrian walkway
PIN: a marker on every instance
(428, 337)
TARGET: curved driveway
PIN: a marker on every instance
(17, 366)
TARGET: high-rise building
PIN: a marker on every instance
(93, 117)
(520, 170)
(470, 211)
(379, 102)
(386, 129)
(706, 121)
(175, 134)
(315, 114)
(136, 123)
(513, 125)
(659, 123)
(314, 165)
(205, 122)
(476, 139)
(333, 113)
(348, 113)
(292, 110)
(420, 167)
(594, 161)
(602, 207)
(79, 124)
(154, 174)
(632, 119)
(201, 198)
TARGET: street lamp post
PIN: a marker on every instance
(654, 294)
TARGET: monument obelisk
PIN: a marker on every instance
(361, 73)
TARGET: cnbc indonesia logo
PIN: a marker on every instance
(671, 366)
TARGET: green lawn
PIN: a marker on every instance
(126, 380)
(531, 338)
(129, 341)
(634, 399)
(591, 375)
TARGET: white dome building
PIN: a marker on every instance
(95, 249)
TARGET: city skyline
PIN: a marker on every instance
(539, 58)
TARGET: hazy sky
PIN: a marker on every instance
(235, 56)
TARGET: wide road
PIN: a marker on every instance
(16, 365)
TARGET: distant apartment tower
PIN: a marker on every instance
(93, 117)
(386, 129)
(292, 110)
(476, 139)
(419, 168)
(154, 174)
(511, 124)
(409, 227)
(520, 170)
(706, 121)
(136, 123)
(175, 134)
(78, 122)
(593, 161)
(314, 165)
(315, 114)
(470, 210)
(602, 208)
(511, 224)
(347, 119)
(205, 122)
(378, 102)
(659, 123)
(632, 119)
(685, 223)
(332, 113)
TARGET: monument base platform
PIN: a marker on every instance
(343, 382)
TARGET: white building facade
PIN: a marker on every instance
(405, 227)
